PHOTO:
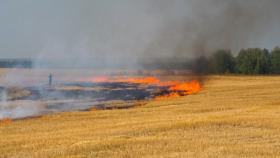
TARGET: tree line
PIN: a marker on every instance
(16, 63)
(248, 61)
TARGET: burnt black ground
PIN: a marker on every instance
(76, 96)
(108, 91)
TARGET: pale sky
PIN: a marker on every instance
(134, 28)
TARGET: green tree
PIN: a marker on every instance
(201, 65)
(263, 62)
(222, 61)
(275, 61)
(253, 61)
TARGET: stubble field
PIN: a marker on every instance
(233, 116)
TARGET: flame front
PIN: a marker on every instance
(187, 87)
(145, 80)
(175, 88)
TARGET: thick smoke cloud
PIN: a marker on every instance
(220, 24)
(110, 32)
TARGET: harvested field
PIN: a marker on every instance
(233, 116)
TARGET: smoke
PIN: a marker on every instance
(134, 32)
(19, 109)
(219, 24)
(125, 34)
(122, 33)
(16, 109)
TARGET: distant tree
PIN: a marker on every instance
(253, 61)
(222, 61)
(263, 62)
(275, 61)
(201, 65)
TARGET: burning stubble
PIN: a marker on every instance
(95, 92)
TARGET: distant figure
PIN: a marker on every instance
(50, 79)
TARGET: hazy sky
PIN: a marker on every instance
(134, 28)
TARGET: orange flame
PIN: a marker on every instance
(168, 96)
(187, 87)
(180, 89)
(176, 88)
(145, 80)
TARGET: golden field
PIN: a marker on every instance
(233, 116)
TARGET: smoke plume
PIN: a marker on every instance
(131, 32)
(218, 24)
(125, 34)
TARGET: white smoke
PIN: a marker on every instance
(19, 109)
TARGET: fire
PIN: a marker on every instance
(174, 88)
(167, 96)
(178, 89)
(187, 87)
(145, 80)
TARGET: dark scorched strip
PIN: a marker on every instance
(109, 91)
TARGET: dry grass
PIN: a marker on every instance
(231, 117)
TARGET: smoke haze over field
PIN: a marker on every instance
(133, 30)
(126, 33)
